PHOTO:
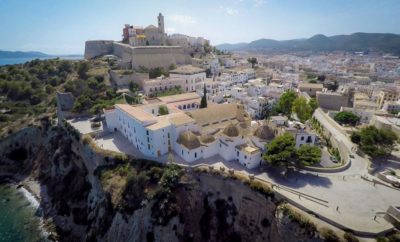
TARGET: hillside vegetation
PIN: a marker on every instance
(28, 90)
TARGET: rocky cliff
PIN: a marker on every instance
(137, 202)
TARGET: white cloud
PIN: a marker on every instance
(231, 11)
(182, 19)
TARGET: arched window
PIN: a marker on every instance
(192, 105)
(184, 106)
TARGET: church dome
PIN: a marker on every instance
(264, 132)
(189, 140)
(231, 130)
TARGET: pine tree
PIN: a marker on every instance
(203, 103)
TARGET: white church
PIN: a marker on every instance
(190, 132)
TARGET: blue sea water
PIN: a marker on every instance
(12, 61)
(19, 221)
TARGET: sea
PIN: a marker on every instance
(19, 216)
(13, 61)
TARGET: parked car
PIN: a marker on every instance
(334, 160)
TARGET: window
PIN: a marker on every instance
(148, 146)
(237, 153)
(168, 136)
(245, 156)
(302, 138)
(195, 154)
(147, 132)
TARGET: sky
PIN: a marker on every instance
(63, 26)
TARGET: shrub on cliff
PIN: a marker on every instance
(165, 207)
(262, 188)
(349, 237)
(329, 235)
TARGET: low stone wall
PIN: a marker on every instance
(346, 165)
(322, 117)
(121, 80)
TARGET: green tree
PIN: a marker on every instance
(157, 71)
(83, 68)
(65, 66)
(133, 87)
(171, 176)
(313, 104)
(162, 110)
(331, 85)
(281, 150)
(346, 117)
(208, 73)
(285, 102)
(172, 67)
(308, 155)
(203, 102)
(375, 142)
(321, 78)
(302, 109)
(253, 61)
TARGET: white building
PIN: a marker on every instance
(162, 84)
(195, 134)
(193, 77)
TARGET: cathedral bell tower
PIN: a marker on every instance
(161, 26)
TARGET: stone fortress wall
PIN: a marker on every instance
(95, 48)
(147, 56)
(159, 56)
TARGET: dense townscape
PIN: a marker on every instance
(318, 129)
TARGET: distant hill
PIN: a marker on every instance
(389, 43)
(21, 54)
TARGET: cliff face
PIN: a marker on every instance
(205, 207)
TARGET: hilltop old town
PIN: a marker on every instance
(322, 128)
